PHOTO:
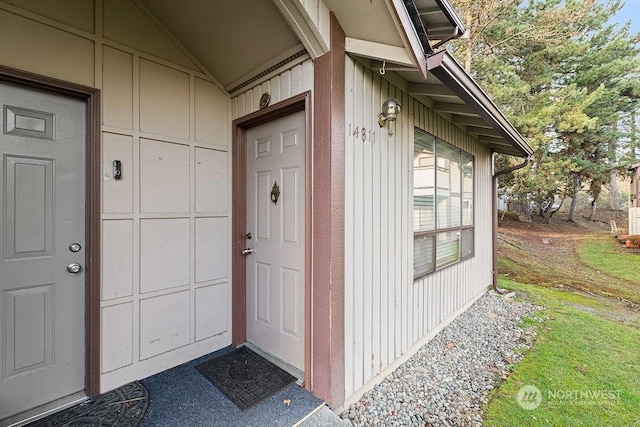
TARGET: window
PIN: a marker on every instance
(442, 204)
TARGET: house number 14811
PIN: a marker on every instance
(361, 133)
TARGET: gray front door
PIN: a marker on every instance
(42, 215)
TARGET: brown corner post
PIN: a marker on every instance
(328, 221)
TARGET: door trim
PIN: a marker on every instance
(297, 103)
(92, 209)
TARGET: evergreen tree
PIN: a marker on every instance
(563, 77)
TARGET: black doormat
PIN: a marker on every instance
(122, 407)
(245, 377)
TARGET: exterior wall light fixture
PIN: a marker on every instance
(390, 110)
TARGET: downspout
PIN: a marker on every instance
(454, 34)
(496, 175)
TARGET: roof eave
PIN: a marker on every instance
(418, 26)
(452, 15)
(448, 71)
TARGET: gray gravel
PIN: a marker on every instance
(447, 381)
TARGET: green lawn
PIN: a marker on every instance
(586, 365)
(603, 253)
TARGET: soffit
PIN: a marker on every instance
(470, 110)
(439, 19)
(467, 111)
(444, 87)
(235, 40)
(371, 19)
(231, 38)
(366, 20)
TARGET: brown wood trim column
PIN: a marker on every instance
(328, 221)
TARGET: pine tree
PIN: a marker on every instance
(562, 75)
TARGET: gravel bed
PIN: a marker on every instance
(447, 381)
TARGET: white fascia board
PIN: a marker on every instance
(307, 31)
(381, 52)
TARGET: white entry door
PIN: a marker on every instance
(42, 211)
(276, 223)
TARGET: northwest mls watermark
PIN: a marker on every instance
(530, 397)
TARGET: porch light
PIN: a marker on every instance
(390, 110)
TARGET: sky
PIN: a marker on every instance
(630, 12)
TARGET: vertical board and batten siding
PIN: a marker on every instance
(165, 296)
(297, 78)
(386, 313)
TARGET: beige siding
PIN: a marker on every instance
(45, 49)
(385, 312)
(165, 257)
(288, 82)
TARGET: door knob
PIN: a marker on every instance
(247, 251)
(74, 268)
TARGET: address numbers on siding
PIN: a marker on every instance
(357, 132)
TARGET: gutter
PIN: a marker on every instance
(453, 35)
(421, 32)
(496, 175)
(450, 14)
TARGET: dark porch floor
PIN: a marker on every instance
(181, 396)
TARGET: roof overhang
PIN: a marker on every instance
(438, 19)
(507, 139)
(388, 35)
(435, 79)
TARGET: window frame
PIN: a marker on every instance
(460, 229)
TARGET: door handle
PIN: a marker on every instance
(247, 251)
(74, 268)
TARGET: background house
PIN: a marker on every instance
(634, 203)
(187, 118)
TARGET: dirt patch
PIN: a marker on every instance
(544, 253)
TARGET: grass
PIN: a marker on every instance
(603, 253)
(586, 367)
(600, 267)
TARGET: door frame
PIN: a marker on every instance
(91, 96)
(240, 126)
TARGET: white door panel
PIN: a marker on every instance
(42, 211)
(275, 269)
